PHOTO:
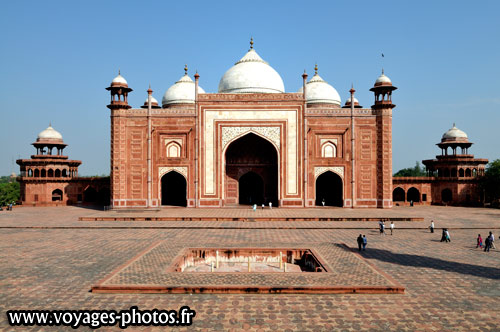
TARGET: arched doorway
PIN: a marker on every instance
(398, 195)
(57, 195)
(251, 171)
(173, 189)
(413, 195)
(251, 189)
(446, 195)
(329, 188)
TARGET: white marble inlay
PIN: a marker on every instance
(335, 169)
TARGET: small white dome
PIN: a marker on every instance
(182, 92)
(119, 80)
(383, 79)
(153, 100)
(348, 101)
(319, 91)
(251, 75)
(454, 133)
(50, 133)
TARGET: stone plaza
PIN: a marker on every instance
(51, 257)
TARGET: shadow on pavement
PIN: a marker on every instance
(428, 262)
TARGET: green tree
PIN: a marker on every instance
(412, 171)
(490, 182)
(9, 192)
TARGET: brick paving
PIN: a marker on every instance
(449, 286)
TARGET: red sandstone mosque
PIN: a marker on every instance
(249, 143)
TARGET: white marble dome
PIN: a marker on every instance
(182, 92)
(454, 133)
(153, 101)
(319, 91)
(251, 75)
(382, 79)
(49, 134)
(119, 80)
(348, 101)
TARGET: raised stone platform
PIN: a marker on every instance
(346, 272)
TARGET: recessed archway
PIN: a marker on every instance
(173, 189)
(413, 195)
(257, 157)
(329, 188)
(251, 189)
(57, 195)
(446, 195)
(398, 195)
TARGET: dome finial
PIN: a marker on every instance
(119, 71)
(251, 43)
(185, 69)
(382, 70)
(453, 124)
(316, 69)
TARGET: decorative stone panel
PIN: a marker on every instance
(180, 169)
(339, 170)
(271, 133)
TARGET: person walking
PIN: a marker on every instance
(443, 235)
(270, 205)
(492, 240)
(447, 233)
(479, 241)
(487, 244)
(360, 242)
(365, 241)
(392, 227)
(432, 226)
(323, 202)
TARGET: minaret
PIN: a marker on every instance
(119, 92)
(383, 109)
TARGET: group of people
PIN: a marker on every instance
(254, 207)
(445, 237)
(489, 242)
(362, 241)
(381, 226)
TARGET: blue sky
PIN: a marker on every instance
(58, 56)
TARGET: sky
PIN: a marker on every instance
(57, 58)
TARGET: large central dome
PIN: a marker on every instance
(251, 75)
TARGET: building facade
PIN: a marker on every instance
(452, 178)
(251, 143)
(49, 178)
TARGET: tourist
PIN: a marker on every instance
(270, 205)
(491, 235)
(262, 206)
(443, 235)
(364, 242)
(432, 226)
(360, 242)
(392, 227)
(323, 202)
(487, 243)
(381, 227)
(254, 207)
(447, 233)
(479, 241)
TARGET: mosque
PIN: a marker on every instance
(250, 143)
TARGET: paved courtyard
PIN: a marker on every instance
(49, 260)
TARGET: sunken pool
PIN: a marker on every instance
(262, 260)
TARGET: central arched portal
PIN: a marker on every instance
(173, 189)
(329, 189)
(251, 171)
